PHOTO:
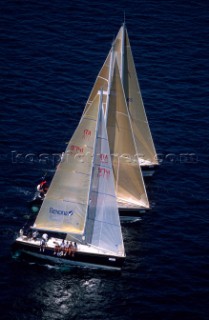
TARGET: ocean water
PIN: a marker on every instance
(51, 52)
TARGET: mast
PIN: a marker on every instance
(94, 147)
(109, 81)
(122, 52)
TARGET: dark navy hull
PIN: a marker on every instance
(148, 171)
(79, 258)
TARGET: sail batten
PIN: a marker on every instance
(104, 193)
(102, 81)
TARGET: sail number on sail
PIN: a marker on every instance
(103, 172)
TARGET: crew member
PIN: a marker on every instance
(42, 188)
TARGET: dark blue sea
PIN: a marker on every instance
(50, 54)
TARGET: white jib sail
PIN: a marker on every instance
(129, 183)
(142, 134)
(103, 227)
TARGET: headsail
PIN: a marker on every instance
(102, 81)
(64, 208)
(129, 182)
(142, 134)
(143, 138)
(132, 194)
(103, 228)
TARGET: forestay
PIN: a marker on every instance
(103, 228)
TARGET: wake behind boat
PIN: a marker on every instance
(80, 205)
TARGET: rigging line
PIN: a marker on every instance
(100, 249)
(103, 165)
(122, 113)
(88, 118)
(72, 201)
(102, 138)
(103, 193)
(109, 223)
(77, 240)
(103, 78)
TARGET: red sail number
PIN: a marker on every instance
(103, 172)
(104, 158)
(86, 133)
(76, 149)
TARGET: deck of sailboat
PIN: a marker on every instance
(83, 255)
(53, 242)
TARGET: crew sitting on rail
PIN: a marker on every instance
(65, 249)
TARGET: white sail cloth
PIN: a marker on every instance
(81, 199)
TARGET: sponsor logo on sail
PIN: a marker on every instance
(61, 212)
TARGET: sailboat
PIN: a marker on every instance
(129, 183)
(130, 188)
(123, 130)
(80, 207)
(145, 148)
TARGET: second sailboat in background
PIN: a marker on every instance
(121, 50)
(131, 143)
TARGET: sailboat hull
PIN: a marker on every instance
(128, 215)
(148, 171)
(87, 259)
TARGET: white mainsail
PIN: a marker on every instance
(143, 138)
(102, 81)
(130, 188)
(65, 206)
(142, 134)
